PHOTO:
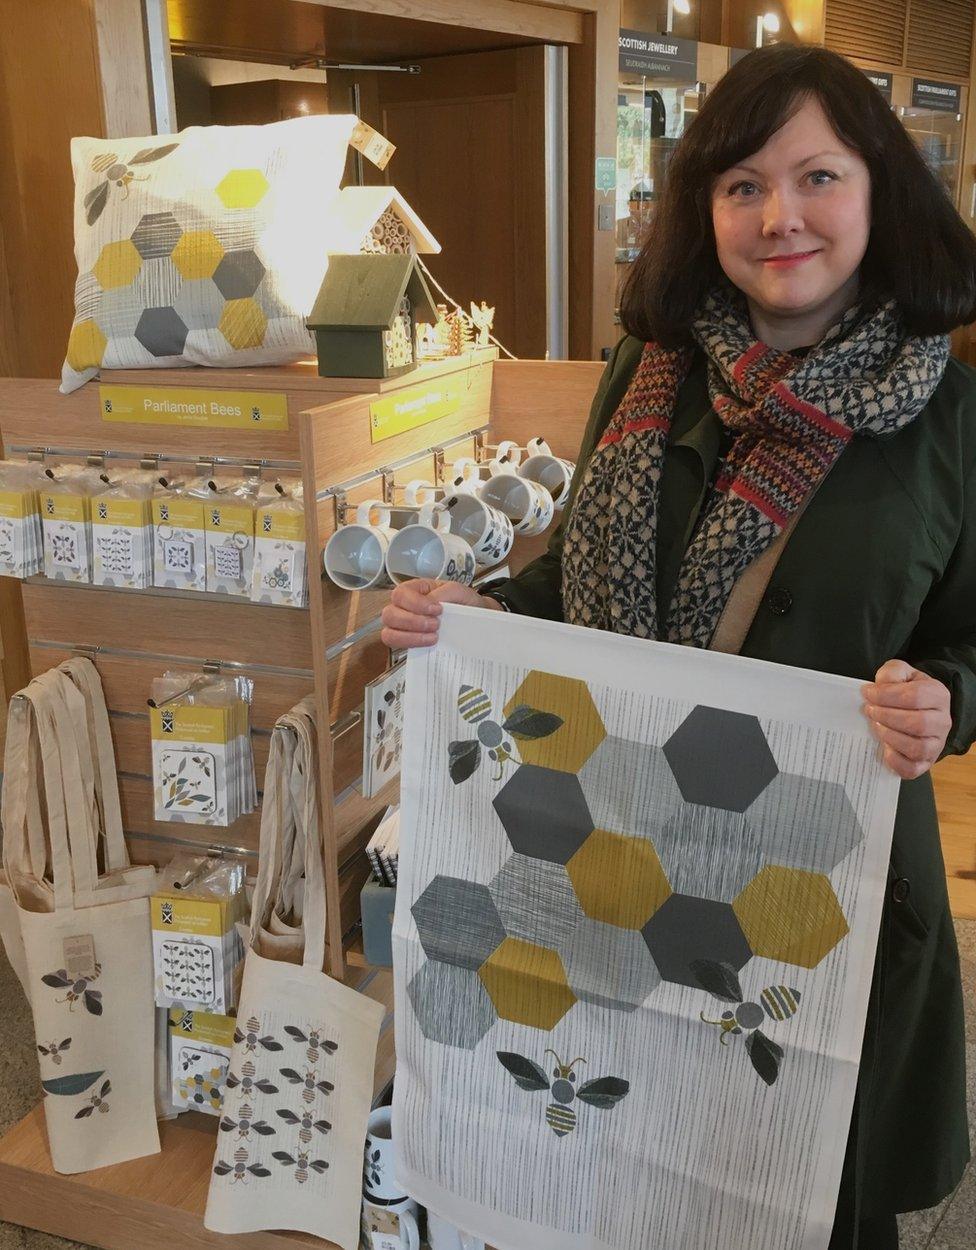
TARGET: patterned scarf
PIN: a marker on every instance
(793, 417)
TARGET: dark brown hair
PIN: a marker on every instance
(920, 252)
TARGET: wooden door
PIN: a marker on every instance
(470, 159)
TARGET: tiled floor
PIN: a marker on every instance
(950, 1226)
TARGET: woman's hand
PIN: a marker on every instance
(412, 617)
(909, 715)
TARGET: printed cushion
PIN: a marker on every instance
(206, 247)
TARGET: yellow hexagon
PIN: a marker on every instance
(618, 879)
(197, 254)
(527, 984)
(581, 732)
(117, 264)
(242, 323)
(242, 188)
(790, 915)
(86, 345)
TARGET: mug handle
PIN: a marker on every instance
(408, 1225)
(365, 510)
(507, 450)
(538, 447)
(419, 492)
(498, 466)
(435, 516)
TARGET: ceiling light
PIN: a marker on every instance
(771, 22)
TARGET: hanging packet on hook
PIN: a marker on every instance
(280, 567)
(66, 521)
(179, 545)
(121, 517)
(21, 540)
(229, 526)
(203, 764)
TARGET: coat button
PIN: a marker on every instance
(779, 601)
(900, 890)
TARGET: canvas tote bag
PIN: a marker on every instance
(83, 913)
(290, 1145)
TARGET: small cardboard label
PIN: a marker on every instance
(372, 144)
(79, 956)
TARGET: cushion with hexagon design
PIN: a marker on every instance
(205, 247)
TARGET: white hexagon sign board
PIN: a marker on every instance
(639, 897)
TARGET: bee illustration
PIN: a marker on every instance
(524, 723)
(246, 1124)
(55, 1050)
(96, 1102)
(776, 1002)
(246, 1082)
(252, 1041)
(117, 173)
(604, 1092)
(301, 1164)
(308, 1081)
(307, 1124)
(315, 1044)
(77, 988)
(240, 1167)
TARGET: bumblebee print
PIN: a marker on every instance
(776, 1002)
(54, 1051)
(308, 1082)
(78, 989)
(246, 1124)
(306, 1124)
(525, 723)
(118, 174)
(245, 1084)
(240, 1169)
(301, 1163)
(604, 1092)
(316, 1046)
(249, 1036)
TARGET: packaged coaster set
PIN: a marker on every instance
(200, 1043)
(21, 538)
(121, 526)
(197, 952)
(66, 522)
(179, 546)
(203, 764)
(229, 529)
(280, 572)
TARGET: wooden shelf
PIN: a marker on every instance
(155, 1203)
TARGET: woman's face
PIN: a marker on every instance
(792, 221)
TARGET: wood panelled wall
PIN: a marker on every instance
(928, 36)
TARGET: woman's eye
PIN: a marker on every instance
(743, 190)
(821, 177)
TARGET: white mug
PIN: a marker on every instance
(355, 555)
(489, 532)
(445, 1236)
(466, 476)
(386, 1229)
(549, 471)
(428, 549)
(528, 505)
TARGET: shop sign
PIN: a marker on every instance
(927, 93)
(658, 56)
(881, 81)
(407, 410)
(190, 406)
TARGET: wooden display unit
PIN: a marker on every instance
(332, 648)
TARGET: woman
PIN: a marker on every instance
(785, 391)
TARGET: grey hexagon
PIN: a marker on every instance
(451, 1004)
(684, 929)
(158, 283)
(629, 788)
(239, 274)
(709, 852)
(457, 922)
(803, 823)
(200, 304)
(720, 758)
(162, 331)
(609, 967)
(544, 813)
(119, 311)
(535, 900)
(156, 235)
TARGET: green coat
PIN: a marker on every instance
(882, 564)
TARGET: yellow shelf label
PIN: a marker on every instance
(182, 405)
(409, 409)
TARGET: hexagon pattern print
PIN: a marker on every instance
(639, 897)
(206, 250)
(629, 865)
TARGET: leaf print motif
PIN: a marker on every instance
(528, 1074)
(77, 1083)
(718, 979)
(765, 1055)
(463, 759)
